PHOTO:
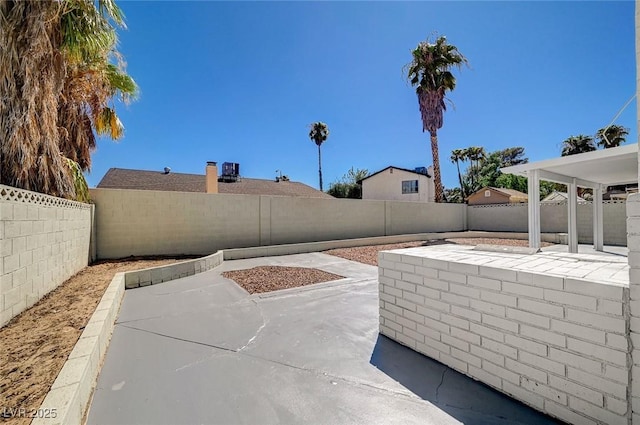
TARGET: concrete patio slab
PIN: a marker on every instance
(202, 350)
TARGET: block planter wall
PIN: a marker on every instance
(557, 344)
(43, 241)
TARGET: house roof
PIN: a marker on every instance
(395, 168)
(556, 196)
(508, 192)
(121, 178)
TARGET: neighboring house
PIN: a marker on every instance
(619, 192)
(121, 178)
(556, 196)
(399, 184)
(496, 195)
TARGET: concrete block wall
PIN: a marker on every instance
(633, 228)
(557, 344)
(143, 222)
(43, 241)
(553, 219)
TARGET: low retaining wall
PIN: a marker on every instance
(301, 248)
(555, 343)
(154, 275)
(69, 396)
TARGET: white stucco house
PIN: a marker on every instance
(400, 184)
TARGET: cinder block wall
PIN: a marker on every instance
(556, 344)
(553, 219)
(143, 222)
(43, 241)
(633, 227)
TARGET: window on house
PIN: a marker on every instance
(410, 186)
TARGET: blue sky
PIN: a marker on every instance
(241, 81)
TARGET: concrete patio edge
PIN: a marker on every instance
(69, 395)
(68, 399)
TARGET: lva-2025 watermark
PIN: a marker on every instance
(23, 412)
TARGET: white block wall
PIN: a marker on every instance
(43, 241)
(557, 344)
(633, 228)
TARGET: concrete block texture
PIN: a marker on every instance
(143, 222)
(45, 241)
(553, 219)
(556, 343)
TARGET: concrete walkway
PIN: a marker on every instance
(200, 350)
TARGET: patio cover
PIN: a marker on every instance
(594, 170)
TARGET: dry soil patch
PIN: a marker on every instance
(36, 343)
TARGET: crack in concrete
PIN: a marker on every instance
(444, 372)
(264, 323)
(408, 396)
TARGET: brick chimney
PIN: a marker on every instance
(212, 177)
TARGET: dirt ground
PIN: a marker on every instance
(271, 278)
(369, 254)
(36, 343)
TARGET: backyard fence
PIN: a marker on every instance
(553, 219)
(143, 222)
(44, 240)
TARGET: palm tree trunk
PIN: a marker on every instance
(460, 180)
(320, 167)
(437, 179)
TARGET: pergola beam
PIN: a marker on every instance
(561, 178)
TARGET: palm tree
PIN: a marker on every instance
(475, 154)
(577, 144)
(612, 136)
(56, 81)
(458, 155)
(92, 80)
(430, 73)
(318, 134)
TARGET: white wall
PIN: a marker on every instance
(553, 219)
(387, 185)
(43, 242)
(144, 222)
(557, 344)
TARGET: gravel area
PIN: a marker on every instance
(271, 278)
(369, 254)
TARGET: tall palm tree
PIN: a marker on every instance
(458, 155)
(430, 73)
(577, 144)
(318, 134)
(612, 136)
(475, 154)
(56, 81)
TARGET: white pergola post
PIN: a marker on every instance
(598, 219)
(534, 208)
(572, 215)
